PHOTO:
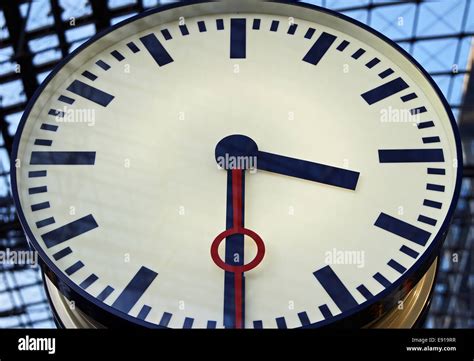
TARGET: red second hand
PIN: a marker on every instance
(237, 227)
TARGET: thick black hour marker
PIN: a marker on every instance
(384, 91)
(410, 155)
(319, 48)
(156, 50)
(402, 229)
(238, 38)
(335, 288)
(134, 290)
(63, 158)
(91, 93)
(69, 231)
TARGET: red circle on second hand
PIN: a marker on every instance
(246, 267)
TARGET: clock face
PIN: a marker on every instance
(236, 165)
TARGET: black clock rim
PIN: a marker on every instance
(354, 317)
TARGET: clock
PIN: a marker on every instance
(237, 164)
(412, 314)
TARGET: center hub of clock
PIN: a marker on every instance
(236, 152)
